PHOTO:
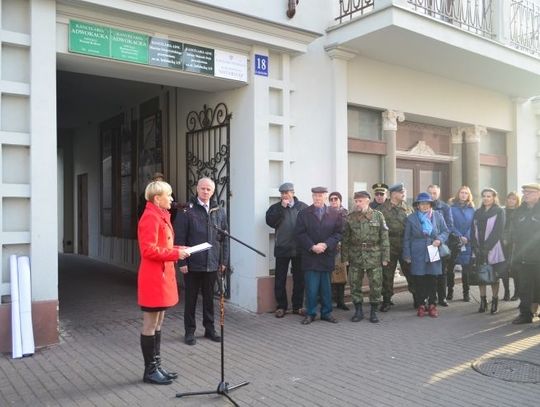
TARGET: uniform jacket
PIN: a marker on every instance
(310, 231)
(283, 220)
(157, 277)
(365, 239)
(415, 244)
(487, 234)
(525, 232)
(193, 226)
(396, 219)
(463, 220)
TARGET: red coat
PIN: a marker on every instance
(157, 277)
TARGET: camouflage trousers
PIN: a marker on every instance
(375, 283)
(388, 276)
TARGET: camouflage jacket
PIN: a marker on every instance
(396, 219)
(365, 239)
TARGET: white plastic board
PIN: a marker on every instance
(16, 340)
(25, 305)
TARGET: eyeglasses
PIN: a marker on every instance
(379, 193)
(334, 198)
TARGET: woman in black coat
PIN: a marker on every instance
(486, 240)
(513, 201)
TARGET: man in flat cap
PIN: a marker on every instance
(395, 211)
(367, 249)
(379, 191)
(282, 217)
(318, 232)
(525, 235)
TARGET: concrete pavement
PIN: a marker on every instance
(404, 360)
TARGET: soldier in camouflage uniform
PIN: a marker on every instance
(395, 211)
(366, 247)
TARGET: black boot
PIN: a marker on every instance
(151, 372)
(483, 304)
(506, 284)
(450, 294)
(385, 306)
(494, 305)
(373, 315)
(359, 313)
(340, 297)
(466, 296)
(168, 375)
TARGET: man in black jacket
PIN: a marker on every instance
(193, 226)
(525, 235)
(282, 217)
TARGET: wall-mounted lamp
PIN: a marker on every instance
(291, 9)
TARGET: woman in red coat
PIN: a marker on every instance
(157, 289)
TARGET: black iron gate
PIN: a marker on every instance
(208, 155)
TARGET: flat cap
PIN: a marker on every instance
(286, 186)
(379, 187)
(362, 194)
(532, 185)
(397, 187)
(319, 190)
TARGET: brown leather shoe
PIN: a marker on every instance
(280, 313)
(299, 311)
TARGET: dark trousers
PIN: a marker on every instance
(204, 282)
(280, 282)
(529, 286)
(426, 289)
(388, 276)
(441, 280)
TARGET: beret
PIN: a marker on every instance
(287, 186)
(397, 187)
(319, 190)
(362, 194)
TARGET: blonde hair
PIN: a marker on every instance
(156, 188)
(469, 201)
(515, 195)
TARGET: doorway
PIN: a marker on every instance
(417, 175)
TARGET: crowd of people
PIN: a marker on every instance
(327, 247)
(425, 241)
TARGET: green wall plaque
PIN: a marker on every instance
(129, 46)
(165, 53)
(89, 39)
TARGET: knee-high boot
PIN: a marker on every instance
(167, 374)
(483, 304)
(340, 297)
(151, 372)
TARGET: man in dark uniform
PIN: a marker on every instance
(444, 209)
(525, 236)
(379, 192)
(282, 217)
(318, 232)
(395, 211)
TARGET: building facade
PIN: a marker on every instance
(97, 95)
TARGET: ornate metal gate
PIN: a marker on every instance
(208, 155)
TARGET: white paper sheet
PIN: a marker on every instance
(199, 248)
(16, 340)
(433, 253)
(25, 305)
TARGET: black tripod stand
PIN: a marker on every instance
(223, 388)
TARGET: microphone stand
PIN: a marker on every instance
(223, 387)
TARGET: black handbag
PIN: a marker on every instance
(482, 274)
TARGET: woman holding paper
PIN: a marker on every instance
(425, 231)
(157, 289)
(486, 240)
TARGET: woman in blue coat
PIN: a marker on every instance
(425, 227)
(462, 207)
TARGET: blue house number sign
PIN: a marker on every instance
(261, 65)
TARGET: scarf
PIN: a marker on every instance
(425, 221)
